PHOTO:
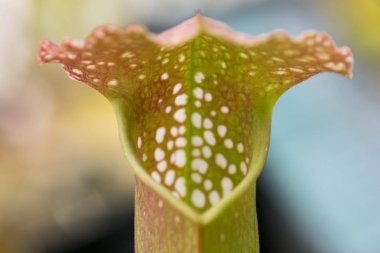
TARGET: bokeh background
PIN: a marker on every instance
(64, 183)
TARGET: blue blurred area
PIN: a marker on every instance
(323, 166)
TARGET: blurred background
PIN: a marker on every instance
(64, 183)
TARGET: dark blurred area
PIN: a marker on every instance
(65, 186)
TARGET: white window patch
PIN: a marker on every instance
(243, 168)
(200, 165)
(222, 130)
(209, 137)
(232, 169)
(196, 178)
(196, 141)
(159, 154)
(208, 97)
(160, 134)
(161, 166)
(198, 93)
(180, 186)
(169, 177)
(198, 198)
(180, 115)
(165, 76)
(196, 119)
(207, 184)
(156, 176)
(180, 142)
(240, 147)
(180, 158)
(228, 143)
(181, 100)
(207, 123)
(224, 109)
(206, 151)
(199, 77)
(177, 88)
(214, 197)
(221, 161)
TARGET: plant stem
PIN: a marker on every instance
(161, 228)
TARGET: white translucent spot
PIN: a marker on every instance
(227, 184)
(91, 67)
(77, 71)
(160, 203)
(156, 176)
(232, 169)
(198, 198)
(144, 157)
(280, 72)
(240, 147)
(113, 82)
(139, 142)
(196, 141)
(196, 152)
(169, 177)
(213, 113)
(209, 137)
(214, 197)
(181, 100)
(224, 109)
(198, 103)
(159, 154)
(223, 64)
(196, 178)
(177, 88)
(174, 131)
(222, 130)
(207, 184)
(200, 165)
(110, 64)
(243, 168)
(141, 77)
(199, 77)
(296, 70)
(168, 109)
(161, 166)
(180, 142)
(170, 145)
(180, 158)
(208, 97)
(207, 123)
(221, 161)
(198, 92)
(165, 76)
(180, 186)
(160, 134)
(206, 151)
(243, 55)
(127, 54)
(180, 115)
(182, 58)
(196, 119)
(164, 61)
(182, 130)
(228, 143)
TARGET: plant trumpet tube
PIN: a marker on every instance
(194, 107)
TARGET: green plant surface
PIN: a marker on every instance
(194, 108)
